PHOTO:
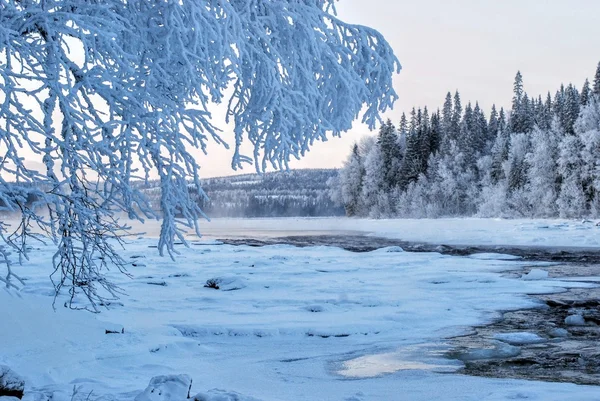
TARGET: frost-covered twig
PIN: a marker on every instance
(112, 92)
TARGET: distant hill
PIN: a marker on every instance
(295, 193)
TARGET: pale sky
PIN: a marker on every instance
(475, 46)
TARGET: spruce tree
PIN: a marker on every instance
(411, 164)
(456, 118)
(425, 140)
(526, 116)
(436, 133)
(548, 110)
(447, 114)
(596, 89)
(402, 133)
(586, 92)
(390, 154)
(571, 108)
(467, 141)
(493, 123)
(499, 150)
(516, 116)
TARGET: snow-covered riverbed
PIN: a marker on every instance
(288, 323)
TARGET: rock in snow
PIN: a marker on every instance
(225, 283)
(536, 274)
(11, 384)
(575, 320)
(167, 388)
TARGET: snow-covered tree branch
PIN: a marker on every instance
(106, 92)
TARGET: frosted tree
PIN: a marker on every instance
(350, 181)
(596, 89)
(542, 174)
(107, 92)
(587, 128)
(571, 200)
(375, 191)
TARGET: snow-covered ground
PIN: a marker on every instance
(290, 323)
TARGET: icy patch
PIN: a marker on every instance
(222, 395)
(370, 366)
(493, 256)
(167, 388)
(519, 338)
(424, 357)
(500, 351)
(536, 274)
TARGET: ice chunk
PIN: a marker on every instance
(536, 274)
(519, 338)
(558, 332)
(575, 320)
(167, 388)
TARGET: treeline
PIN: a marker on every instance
(540, 159)
(296, 193)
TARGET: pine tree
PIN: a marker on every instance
(586, 92)
(492, 128)
(456, 118)
(411, 164)
(436, 133)
(548, 110)
(447, 112)
(516, 115)
(402, 133)
(527, 116)
(425, 140)
(500, 150)
(517, 91)
(470, 140)
(391, 155)
(481, 129)
(596, 89)
(571, 108)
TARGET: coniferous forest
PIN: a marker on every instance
(539, 159)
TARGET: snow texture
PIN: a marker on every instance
(307, 318)
(167, 388)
